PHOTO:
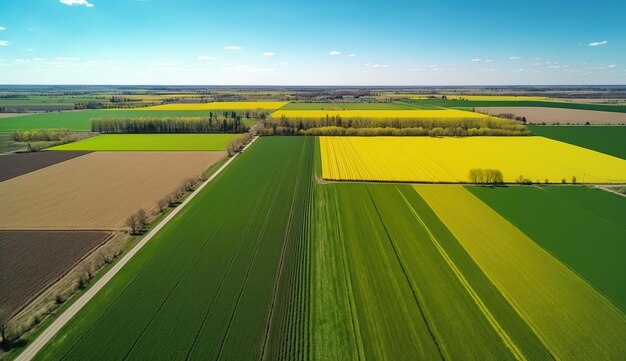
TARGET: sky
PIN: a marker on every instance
(254, 42)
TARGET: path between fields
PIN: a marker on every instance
(31, 351)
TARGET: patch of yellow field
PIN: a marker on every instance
(573, 320)
(449, 159)
(489, 97)
(390, 114)
(217, 106)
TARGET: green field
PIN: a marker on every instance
(345, 106)
(583, 227)
(136, 142)
(402, 285)
(204, 287)
(80, 120)
(514, 103)
(606, 139)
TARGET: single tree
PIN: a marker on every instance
(4, 326)
(142, 218)
(133, 223)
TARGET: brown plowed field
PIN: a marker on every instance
(30, 261)
(537, 115)
(13, 165)
(98, 190)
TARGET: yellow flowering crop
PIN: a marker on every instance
(217, 106)
(449, 159)
(390, 114)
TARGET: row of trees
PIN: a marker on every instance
(414, 126)
(215, 124)
(39, 135)
(388, 131)
(486, 176)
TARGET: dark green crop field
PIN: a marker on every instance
(207, 286)
(583, 227)
(515, 103)
(606, 139)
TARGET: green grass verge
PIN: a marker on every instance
(583, 227)
(203, 287)
(345, 106)
(606, 139)
(150, 142)
(81, 120)
(516, 103)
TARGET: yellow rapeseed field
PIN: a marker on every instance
(390, 114)
(573, 320)
(217, 106)
(449, 159)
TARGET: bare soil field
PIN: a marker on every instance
(31, 261)
(537, 115)
(96, 191)
(13, 165)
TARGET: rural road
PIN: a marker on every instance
(36, 346)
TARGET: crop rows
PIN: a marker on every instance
(204, 287)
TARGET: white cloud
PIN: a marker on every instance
(598, 43)
(77, 2)
(206, 57)
(283, 63)
(269, 53)
(352, 55)
(66, 58)
(519, 70)
(334, 52)
(488, 61)
(535, 64)
(475, 60)
(416, 69)
(4, 43)
(611, 66)
(368, 64)
(232, 47)
(381, 66)
(514, 57)
(434, 66)
(2, 28)
(30, 49)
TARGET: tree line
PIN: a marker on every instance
(336, 125)
(215, 124)
(486, 176)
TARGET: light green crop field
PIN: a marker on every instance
(205, 287)
(583, 227)
(80, 120)
(130, 142)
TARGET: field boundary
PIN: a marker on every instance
(31, 351)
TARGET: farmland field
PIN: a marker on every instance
(150, 142)
(490, 97)
(98, 190)
(583, 227)
(539, 115)
(573, 320)
(609, 139)
(376, 113)
(80, 120)
(403, 288)
(229, 240)
(429, 159)
(13, 165)
(516, 103)
(32, 260)
(346, 106)
(217, 106)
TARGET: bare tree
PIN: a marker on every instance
(133, 223)
(142, 218)
(162, 203)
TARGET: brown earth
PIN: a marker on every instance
(97, 191)
(16, 164)
(536, 115)
(30, 261)
(9, 115)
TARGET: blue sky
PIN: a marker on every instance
(437, 42)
